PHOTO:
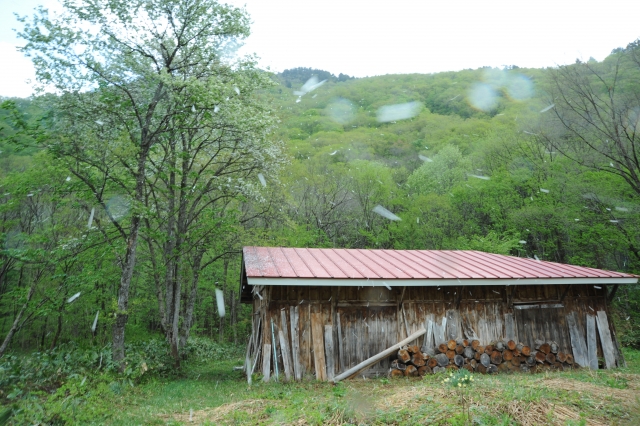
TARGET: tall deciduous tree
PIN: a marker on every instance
(127, 73)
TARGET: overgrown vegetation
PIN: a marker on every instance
(208, 391)
(527, 162)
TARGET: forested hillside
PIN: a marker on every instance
(527, 162)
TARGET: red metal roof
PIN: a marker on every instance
(278, 262)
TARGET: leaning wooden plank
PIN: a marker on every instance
(329, 353)
(387, 352)
(266, 363)
(428, 337)
(286, 358)
(285, 349)
(317, 340)
(577, 341)
(295, 343)
(605, 339)
(592, 350)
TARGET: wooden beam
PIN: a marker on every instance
(564, 293)
(460, 296)
(376, 358)
(612, 293)
(402, 295)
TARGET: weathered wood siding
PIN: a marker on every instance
(366, 320)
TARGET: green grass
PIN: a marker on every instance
(219, 395)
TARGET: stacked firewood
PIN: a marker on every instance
(501, 356)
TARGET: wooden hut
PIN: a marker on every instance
(321, 312)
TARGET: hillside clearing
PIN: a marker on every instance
(217, 395)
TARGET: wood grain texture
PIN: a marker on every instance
(329, 352)
(592, 348)
(605, 339)
(295, 343)
(266, 363)
(317, 337)
(577, 340)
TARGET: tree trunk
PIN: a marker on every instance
(187, 322)
(122, 314)
(16, 323)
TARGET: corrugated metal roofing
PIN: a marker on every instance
(278, 262)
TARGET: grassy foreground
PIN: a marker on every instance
(215, 394)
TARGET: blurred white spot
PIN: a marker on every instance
(611, 164)
(536, 258)
(598, 287)
(193, 108)
(546, 191)
(519, 88)
(576, 220)
(93, 210)
(99, 123)
(522, 242)
(426, 159)
(68, 179)
(479, 177)
(398, 111)
(608, 209)
(30, 195)
(95, 322)
(216, 108)
(385, 213)
(529, 133)
(311, 85)
(74, 297)
(417, 220)
(547, 108)
(334, 152)
(483, 97)
(220, 302)
(262, 180)
(613, 221)
(386, 285)
(118, 206)
(237, 90)
(341, 110)
(622, 209)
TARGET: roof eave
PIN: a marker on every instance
(442, 282)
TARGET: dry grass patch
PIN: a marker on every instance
(216, 415)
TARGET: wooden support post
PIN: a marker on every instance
(376, 358)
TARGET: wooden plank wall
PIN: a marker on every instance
(371, 319)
